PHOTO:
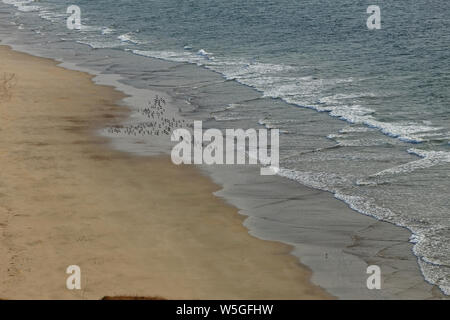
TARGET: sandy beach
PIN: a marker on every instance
(136, 226)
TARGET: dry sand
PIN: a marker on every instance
(135, 225)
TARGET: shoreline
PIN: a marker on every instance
(359, 246)
(333, 241)
(230, 85)
(67, 198)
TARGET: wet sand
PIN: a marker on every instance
(336, 242)
(137, 226)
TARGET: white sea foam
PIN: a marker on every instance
(89, 28)
(172, 56)
(129, 37)
(436, 275)
(353, 129)
(23, 5)
(407, 131)
(106, 30)
(429, 159)
(205, 54)
(426, 244)
(317, 180)
(272, 81)
(51, 16)
(100, 44)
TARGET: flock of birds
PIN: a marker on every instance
(159, 123)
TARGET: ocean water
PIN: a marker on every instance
(364, 114)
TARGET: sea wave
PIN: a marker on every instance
(129, 37)
(429, 159)
(23, 5)
(271, 81)
(426, 239)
